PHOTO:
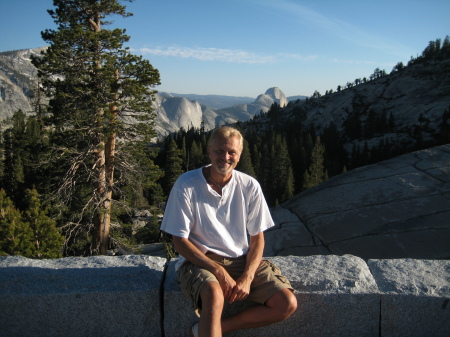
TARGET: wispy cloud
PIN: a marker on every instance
(211, 54)
(222, 55)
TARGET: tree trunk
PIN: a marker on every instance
(102, 219)
(105, 165)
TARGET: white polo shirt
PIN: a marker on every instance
(214, 222)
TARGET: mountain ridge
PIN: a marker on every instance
(415, 100)
(418, 91)
(18, 77)
(173, 112)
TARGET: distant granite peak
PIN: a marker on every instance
(272, 95)
(277, 95)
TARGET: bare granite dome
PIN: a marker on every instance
(277, 95)
(398, 208)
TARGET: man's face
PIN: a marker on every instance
(224, 154)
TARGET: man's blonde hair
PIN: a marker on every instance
(227, 132)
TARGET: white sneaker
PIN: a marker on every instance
(194, 330)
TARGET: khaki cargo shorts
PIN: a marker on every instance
(267, 282)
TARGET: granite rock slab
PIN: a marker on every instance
(111, 296)
(415, 296)
(398, 208)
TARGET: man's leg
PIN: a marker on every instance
(212, 306)
(277, 308)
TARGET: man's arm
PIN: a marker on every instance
(254, 257)
(191, 253)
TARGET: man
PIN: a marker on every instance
(209, 213)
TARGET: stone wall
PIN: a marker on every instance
(139, 296)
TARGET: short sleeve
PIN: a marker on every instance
(259, 218)
(178, 215)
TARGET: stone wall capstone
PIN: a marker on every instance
(139, 296)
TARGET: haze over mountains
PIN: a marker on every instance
(221, 101)
(173, 111)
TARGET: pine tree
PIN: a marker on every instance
(31, 233)
(303, 165)
(13, 163)
(47, 242)
(245, 162)
(23, 148)
(195, 156)
(289, 188)
(371, 124)
(173, 167)
(15, 236)
(335, 155)
(142, 182)
(256, 156)
(316, 173)
(295, 153)
(265, 169)
(93, 83)
(184, 153)
(282, 178)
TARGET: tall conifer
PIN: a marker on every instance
(99, 98)
(47, 241)
(316, 172)
(245, 163)
(173, 168)
(15, 236)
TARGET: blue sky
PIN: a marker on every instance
(244, 47)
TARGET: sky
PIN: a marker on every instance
(244, 47)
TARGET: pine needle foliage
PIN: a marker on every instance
(30, 233)
(100, 100)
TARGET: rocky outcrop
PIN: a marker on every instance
(415, 98)
(175, 112)
(172, 113)
(244, 112)
(139, 296)
(271, 96)
(17, 80)
(399, 208)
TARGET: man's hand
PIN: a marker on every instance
(241, 290)
(254, 256)
(227, 283)
(232, 290)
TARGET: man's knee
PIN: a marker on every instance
(211, 294)
(284, 303)
(291, 303)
